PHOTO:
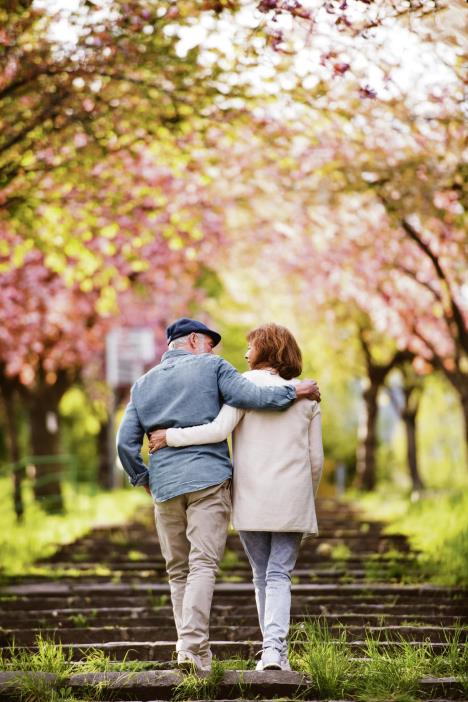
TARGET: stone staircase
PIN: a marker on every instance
(109, 595)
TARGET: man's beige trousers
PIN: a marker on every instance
(192, 530)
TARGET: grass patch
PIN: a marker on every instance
(393, 674)
(40, 535)
(239, 664)
(390, 570)
(194, 687)
(229, 560)
(316, 652)
(231, 578)
(79, 556)
(79, 620)
(30, 688)
(97, 661)
(155, 602)
(134, 555)
(384, 674)
(455, 660)
(51, 571)
(436, 525)
(340, 552)
(50, 657)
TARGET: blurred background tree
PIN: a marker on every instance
(239, 161)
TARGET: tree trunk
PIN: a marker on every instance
(45, 440)
(104, 476)
(45, 445)
(108, 478)
(366, 459)
(9, 396)
(409, 420)
(376, 374)
(459, 382)
(412, 389)
(464, 403)
(465, 417)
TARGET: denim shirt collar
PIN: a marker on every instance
(173, 353)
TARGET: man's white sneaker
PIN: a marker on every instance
(271, 659)
(186, 660)
(259, 666)
(206, 661)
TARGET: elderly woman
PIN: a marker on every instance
(278, 459)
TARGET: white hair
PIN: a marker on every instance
(182, 340)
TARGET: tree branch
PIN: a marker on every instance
(457, 315)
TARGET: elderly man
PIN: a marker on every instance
(191, 485)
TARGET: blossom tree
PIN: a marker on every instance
(132, 151)
(135, 258)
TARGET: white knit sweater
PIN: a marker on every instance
(277, 457)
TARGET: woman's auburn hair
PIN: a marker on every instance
(273, 346)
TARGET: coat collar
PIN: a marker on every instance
(175, 352)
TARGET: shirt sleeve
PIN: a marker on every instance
(240, 392)
(212, 433)
(129, 442)
(316, 447)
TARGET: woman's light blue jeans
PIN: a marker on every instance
(272, 556)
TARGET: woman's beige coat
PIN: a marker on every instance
(277, 457)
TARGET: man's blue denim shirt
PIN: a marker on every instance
(183, 390)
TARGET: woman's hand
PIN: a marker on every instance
(157, 440)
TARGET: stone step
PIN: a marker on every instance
(372, 542)
(147, 538)
(160, 685)
(151, 548)
(149, 545)
(162, 650)
(146, 576)
(66, 588)
(106, 612)
(227, 603)
(230, 606)
(227, 632)
(96, 617)
(243, 569)
(336, 574)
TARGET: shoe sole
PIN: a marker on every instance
(272, 666)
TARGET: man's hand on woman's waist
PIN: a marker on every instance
(157, 440)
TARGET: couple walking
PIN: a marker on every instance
(188, 405)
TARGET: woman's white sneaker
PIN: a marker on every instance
(285, 664)
(271, 659)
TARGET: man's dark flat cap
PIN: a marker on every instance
(184, 326)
